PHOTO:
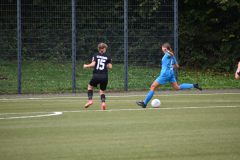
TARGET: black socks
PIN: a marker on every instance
(90, 94)
(103, 98)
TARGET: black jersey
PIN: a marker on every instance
(102, 61)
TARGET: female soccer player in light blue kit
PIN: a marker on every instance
(167, 75)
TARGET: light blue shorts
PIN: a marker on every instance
(164, 78)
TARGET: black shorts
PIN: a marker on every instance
(101, 79)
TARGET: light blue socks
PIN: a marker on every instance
(151, 93)
(186, 86)
(148, 97)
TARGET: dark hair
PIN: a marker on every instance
(168, 46)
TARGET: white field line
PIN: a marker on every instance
(144, 109)
(26, 113)
(75, 97)
(125, 109)
(35, 116)
(46, 114)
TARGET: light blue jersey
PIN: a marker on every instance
(167, 63)
(167, 71)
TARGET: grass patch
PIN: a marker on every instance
(208, 132)
(55, 77)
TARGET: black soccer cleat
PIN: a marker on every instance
(197, 86)
(142, 104)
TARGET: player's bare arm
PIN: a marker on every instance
(176, 66)
(237, 74)
(91, 65)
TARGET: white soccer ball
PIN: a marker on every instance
(156, 103)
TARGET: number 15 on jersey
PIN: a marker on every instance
(101, 64)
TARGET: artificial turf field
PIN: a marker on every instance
(188, 126)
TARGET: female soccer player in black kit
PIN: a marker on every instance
(101, 62)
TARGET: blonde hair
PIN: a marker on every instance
(102, 45)
(168, 46)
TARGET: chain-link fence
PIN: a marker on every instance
(8, 46)
(48, 43)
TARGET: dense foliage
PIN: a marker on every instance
(209, 35)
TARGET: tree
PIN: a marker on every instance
(209, 34)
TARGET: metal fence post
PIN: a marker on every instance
(125, 45)
(176, 31)
(19, 46)
(73, 46)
